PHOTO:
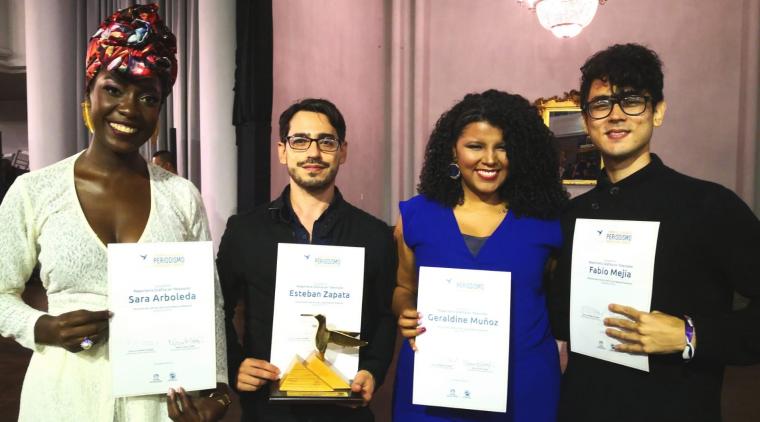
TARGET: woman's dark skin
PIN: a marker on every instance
(183, 408)
(113, 187)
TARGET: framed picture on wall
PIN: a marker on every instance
(579, 160)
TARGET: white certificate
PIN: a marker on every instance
(462, 359)
(312, 280)
(162, 333)
(613, 262)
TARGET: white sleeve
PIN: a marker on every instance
(200, 231)
(18, 256)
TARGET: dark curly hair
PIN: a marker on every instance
(533, 186)
(624, 66)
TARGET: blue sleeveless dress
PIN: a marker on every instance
(520, 246)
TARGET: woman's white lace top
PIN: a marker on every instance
(42, 223)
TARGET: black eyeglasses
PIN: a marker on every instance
(302, 143)
(632, 105)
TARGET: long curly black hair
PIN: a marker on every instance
(533, 187)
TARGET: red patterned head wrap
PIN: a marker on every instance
(135, 42)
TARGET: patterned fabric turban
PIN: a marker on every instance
(135, 42)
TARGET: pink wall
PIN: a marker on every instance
(700, 43)
(338, 49)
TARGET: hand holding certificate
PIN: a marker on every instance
(317, 319)
(647, 332)
(613, 262)
(462, 359)
(162, 333)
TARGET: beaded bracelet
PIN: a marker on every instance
(688, 351)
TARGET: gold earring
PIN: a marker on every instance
(86, 116)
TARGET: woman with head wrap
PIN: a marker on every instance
(61, 218)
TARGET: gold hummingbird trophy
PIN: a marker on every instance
(313, 380)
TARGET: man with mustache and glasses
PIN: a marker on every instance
(312, 146)
(708, 246)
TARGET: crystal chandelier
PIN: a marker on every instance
(565, 18)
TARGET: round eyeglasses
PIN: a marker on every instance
(302, 143)
(632, 105)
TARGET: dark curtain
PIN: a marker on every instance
(252, 111)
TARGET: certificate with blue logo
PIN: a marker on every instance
(613, 262)
(462, 360)
(162, 333)
(318, 290)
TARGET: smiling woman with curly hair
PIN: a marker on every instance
(490, 195)
(532, 187)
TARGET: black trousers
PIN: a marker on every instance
(262, 411)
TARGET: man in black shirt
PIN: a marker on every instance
(310, 210)
(707, 247)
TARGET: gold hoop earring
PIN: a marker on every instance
(86, 116)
